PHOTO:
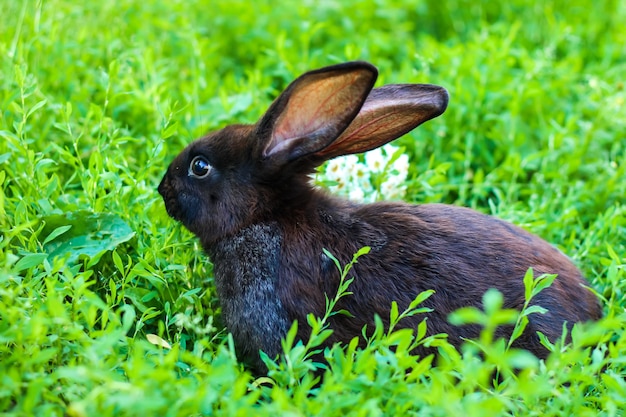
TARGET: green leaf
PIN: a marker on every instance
(492, 301)
(128, 315)
(466, 315)
(421, 330)
(136, 296)
(534, 309)
(416, 311)
(56, 233)
(170, 130)
(113, 290)
(83, 233)
(543, 282)
(518, 330)
(521, 359)
(393, 314)
(332, 258)
(545, 341)
(36, 107)
(423, 296)
(289, 339)
(343, 312)
(118, 262)
(29, 261)
(363, 251)
(612, 254)
(400, 336)
(528, 284)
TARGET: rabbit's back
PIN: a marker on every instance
(455, 251)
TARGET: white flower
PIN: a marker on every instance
(392, 190)
(334, 169)
(401, 165)
(349, 160)
(356, 194)
(360, 173)
(375, 160)
(355, 179)
(363, 182)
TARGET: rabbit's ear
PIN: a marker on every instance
(388, 113)
(314, 109)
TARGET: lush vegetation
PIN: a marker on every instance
(107, 306)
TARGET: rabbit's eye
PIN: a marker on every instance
(199, 167)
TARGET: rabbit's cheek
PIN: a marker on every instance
(182, 207)
(189, 208)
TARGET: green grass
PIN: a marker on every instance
(96, 98)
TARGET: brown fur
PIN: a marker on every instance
(265, 226)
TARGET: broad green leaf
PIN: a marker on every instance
(83, 233)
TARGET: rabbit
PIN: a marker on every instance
(246, 192)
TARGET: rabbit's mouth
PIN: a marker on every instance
(171, 200)
(181, 205)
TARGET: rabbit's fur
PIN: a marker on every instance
(245, 191)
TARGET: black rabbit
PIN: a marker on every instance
(246, 192)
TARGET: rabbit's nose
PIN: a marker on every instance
(162, 186)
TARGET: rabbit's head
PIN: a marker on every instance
(243, 173)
